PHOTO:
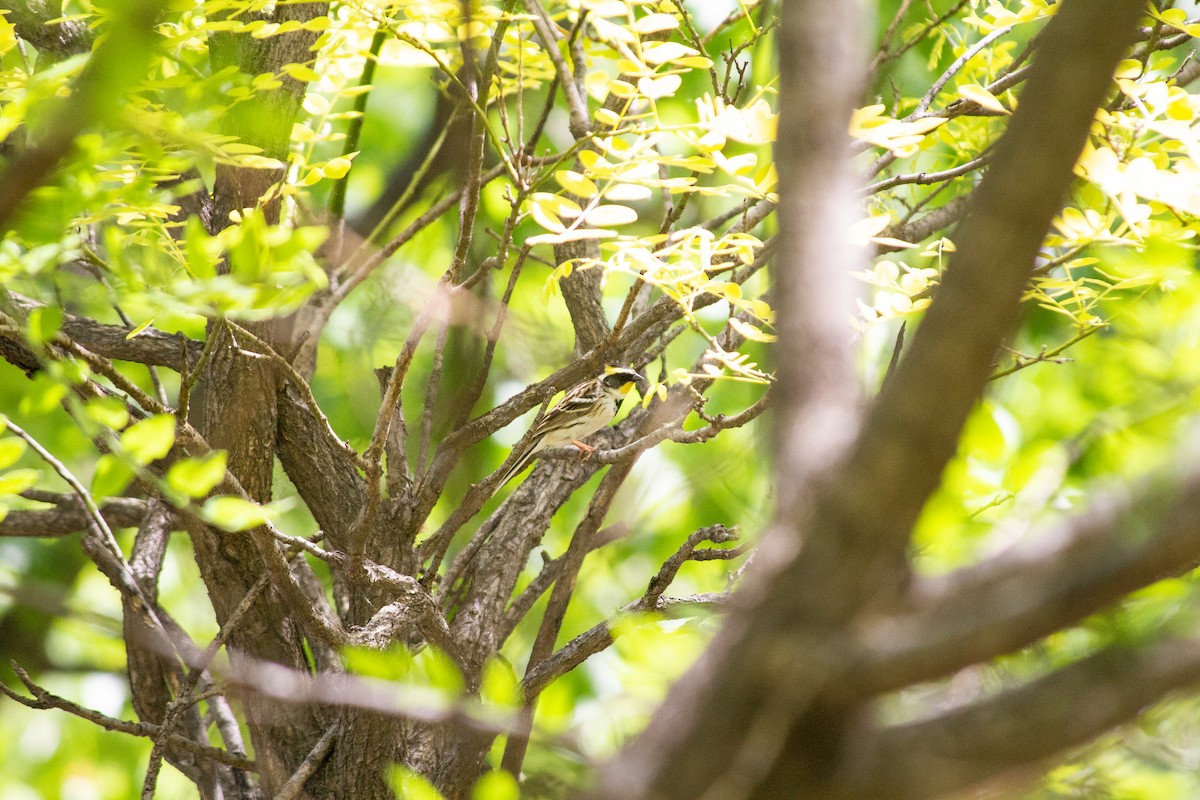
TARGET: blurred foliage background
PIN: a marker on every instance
(1104, 386)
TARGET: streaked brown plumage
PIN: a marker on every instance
(584, 409)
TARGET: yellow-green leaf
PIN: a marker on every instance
(621, 89)
(657, 53)
(150, 439)
(18, 480)
(657, 88)
(111, 477)
(575, 183)
(196, 477)
(609, 215)
(233, 514)
(301, 73)
(606, 117)
(628, 193)
(411, 785)
(496, 785)
(652, 23)
(139, 328)
(10, 450)
(500, 686)
(336, 168)
(108, 411)
(573, 235)
(981, 96)
(44, 322)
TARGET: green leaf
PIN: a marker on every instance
(108, 411)
(496, 785)
(10, 450)
(440, 669)
(18, 480)
(392, 664)
(233, 514)
(196, 477)
(112, 475)
(499, 686)
(409, 785)
(44, 322)
(150, 439)
(43, 395)
(202, 251)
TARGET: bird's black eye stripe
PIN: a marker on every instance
(618, 379)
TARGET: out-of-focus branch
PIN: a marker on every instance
(43, 699)
(924, 405)
(788, 636)
(70, 517)
(1053, 580)
(119, 60)
(937, 756)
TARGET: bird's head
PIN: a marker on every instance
(621, 380)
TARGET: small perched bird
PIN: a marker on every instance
(584, 409)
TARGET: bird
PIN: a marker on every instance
(584, 409)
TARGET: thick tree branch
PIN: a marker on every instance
(151, 346)
(1054, 579)
(949, 752)
(70, 517)
(924, 405)
(31, 18)
(787, 637)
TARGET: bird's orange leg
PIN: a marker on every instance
(585, 450)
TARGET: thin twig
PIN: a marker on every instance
(1023, 361)
(556, 608)
(320, 751)
(43, 699)
(925, 178)
(183, 699)
(955, 68)
(576, 102)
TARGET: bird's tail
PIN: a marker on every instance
(518, 466)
